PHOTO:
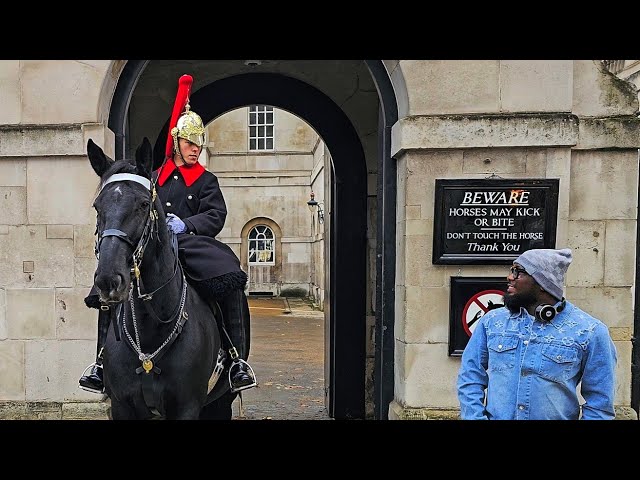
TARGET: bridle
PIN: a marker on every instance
(150, 229)
(150, 226)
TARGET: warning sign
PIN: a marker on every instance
(492, 221)
(471, 298)
(477, 306)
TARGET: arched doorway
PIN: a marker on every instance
(346, 308)
(261, 254)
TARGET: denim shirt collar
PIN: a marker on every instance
(558, 321)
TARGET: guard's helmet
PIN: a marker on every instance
(190, 127)
(184, 123)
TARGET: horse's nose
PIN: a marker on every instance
(109, 285)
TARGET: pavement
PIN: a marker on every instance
(287, 356)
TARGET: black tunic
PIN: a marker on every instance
(202, 208)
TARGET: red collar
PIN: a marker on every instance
(190, 174)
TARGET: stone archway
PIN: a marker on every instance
(346, 310)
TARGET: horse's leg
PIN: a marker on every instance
(122, 411)
(219, 409)
(190, 411)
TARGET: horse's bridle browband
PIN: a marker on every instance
(118, 177)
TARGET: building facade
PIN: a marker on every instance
(268, 162)
(397, 132)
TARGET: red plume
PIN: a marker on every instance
(182, 97)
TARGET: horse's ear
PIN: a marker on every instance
(99, 161)
(144, 158)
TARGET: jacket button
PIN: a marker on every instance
(190, 197)
(175, 177)
(168, 204)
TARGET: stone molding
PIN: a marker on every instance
(52, 140)
(608, 133)
(485, 130)
(514, 131)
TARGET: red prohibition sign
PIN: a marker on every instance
(478, 305)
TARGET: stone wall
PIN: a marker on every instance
(512, 119)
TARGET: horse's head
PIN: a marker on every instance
(125, 218)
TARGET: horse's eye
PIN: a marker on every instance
(144, 205)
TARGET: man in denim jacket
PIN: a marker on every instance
(530, 355)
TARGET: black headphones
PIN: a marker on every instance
(546, 313)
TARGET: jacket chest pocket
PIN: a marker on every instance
(502, 352)
(192, 202)
(559, 363)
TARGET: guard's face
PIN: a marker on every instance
(190, 152)
(521, 289)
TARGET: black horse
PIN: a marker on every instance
(163, 355)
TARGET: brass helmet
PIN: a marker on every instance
(190, 127)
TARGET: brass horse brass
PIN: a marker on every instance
(147, 364)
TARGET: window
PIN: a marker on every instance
(260, 127)
(261, 246)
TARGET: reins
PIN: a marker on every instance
(148, 296)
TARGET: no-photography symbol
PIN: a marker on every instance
(478, 305)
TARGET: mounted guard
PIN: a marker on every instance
(195, 212)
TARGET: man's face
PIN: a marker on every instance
(521, 289)
(190, 152)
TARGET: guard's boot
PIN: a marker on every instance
(241, 374)
(234, 308)
(92, 377)
(92, 381)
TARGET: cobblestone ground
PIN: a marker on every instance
(287, 355)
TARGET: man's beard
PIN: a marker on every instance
(517, 300)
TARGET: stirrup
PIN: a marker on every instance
(84, 373)
(234, 364)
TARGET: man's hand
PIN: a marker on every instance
(174, 224)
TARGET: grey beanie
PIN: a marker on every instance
(547, 267)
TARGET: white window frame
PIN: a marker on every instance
(261, 131)
(261, 251)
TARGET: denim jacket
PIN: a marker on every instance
(531, 370)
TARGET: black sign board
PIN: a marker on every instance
(493, 221)
(471, 298)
